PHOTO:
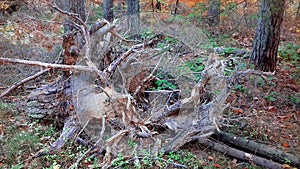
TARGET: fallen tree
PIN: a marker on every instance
(113, 97)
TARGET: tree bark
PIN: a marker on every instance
(256, 148)
(267, 37)
(133, 13)
(176, 6)
(214, 12)
(241, 155)
(108, 10)
(76, 7)
(298, 12)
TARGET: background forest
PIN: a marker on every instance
(157, 84)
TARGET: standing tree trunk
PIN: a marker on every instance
(214, 12)
(74, 6)
(133, 13)
(298, 12)
(108, 13)
(176, 6)
(267, 36)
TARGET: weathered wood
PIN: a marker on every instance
(256, 148)
(43, 64)
(224, 149)
(48, 101)
(69, 133)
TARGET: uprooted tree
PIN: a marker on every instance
(114, 89)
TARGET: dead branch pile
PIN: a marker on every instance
(111, 93)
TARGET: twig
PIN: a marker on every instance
(16, 85)
(256, 72)
(72, 15)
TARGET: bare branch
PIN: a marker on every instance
(16, 85)
(72, 15)
(50, 65)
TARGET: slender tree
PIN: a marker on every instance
(176, 6)
(108, 10)
(74, 6)
(214, 12)
(298, 12)
(267, 36)
(133, 13)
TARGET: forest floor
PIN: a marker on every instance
(262, 108)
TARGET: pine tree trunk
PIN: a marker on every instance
(133, 7)
(108, 10)
(267, 37)
(298, 12)
(214, 12)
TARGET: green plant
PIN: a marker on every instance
(171, 40)
(272, 97)
(175, 156)
(196, 67)
(261, 82)
(163, 46)
(295, 99)
(131, 143)
(164, 84)
(17, 166)
(120, 162)
(289, 52)
(4, 106)
(240, 87)
(147, 34)
(287, 161)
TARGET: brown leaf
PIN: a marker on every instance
(286, 166)
(271, 108)
(238, 111)
(210, 158)
(285, 145)
(217, 165)
(234, 161)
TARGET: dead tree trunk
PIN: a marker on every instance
(258, 149)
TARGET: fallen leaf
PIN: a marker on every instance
(234, 161)
(238, 111)
(56, 166)
(217, 166)
(283, 126)
(271, 108)
(286, 166)
(285, 145)
(210, 158)
(71, 107)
